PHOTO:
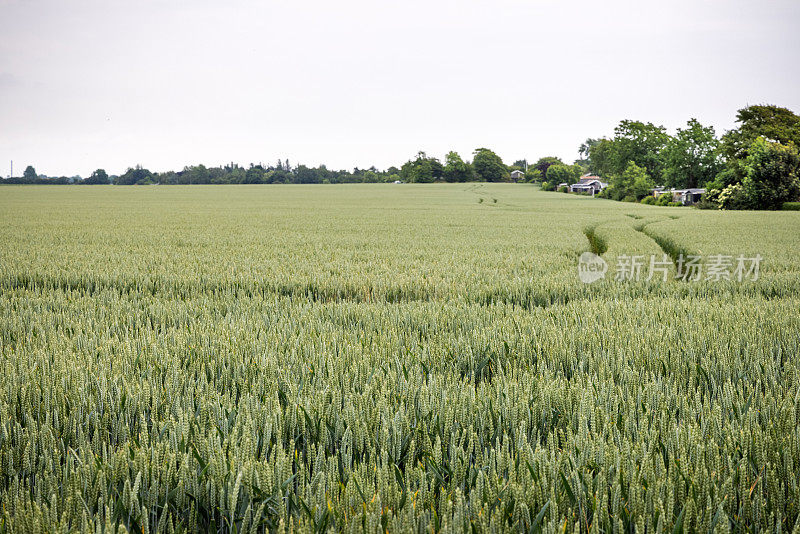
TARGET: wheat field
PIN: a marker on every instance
(390, 358)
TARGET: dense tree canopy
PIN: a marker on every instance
(30, 173)
(456, 169)
(634, 141)
(559, 173)
(135, 175)
(98, 177)
(544, 163)
(772, 174)
(488, 166)
(632, 184)
(422, 169)
(691, 158)
(770, 122)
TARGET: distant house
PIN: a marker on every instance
(684, 196)
(397, 182)
(517, 175)
(687, 196)
(588, 184)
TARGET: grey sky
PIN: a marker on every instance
(87, 84)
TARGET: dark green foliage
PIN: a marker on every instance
(488, 166)
(773, 174)
(634, 141)
(557, 174)
(691, 157)
(631, 185)
(98, 177)
(544, 163)
(30, 173)
(773, 123)
(456, 169)
(422, 169)
(134, 175)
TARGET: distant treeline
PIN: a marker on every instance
(754, 166)
(485, 166)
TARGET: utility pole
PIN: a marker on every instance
(12, 169)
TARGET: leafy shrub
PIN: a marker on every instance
(563, 189)
(734, 197)
(649, 200)
(791, 206)
(664, 199)
(773, 175)
(557, 174)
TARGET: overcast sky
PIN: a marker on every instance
(102, 83)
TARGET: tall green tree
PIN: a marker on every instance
(456, 169)
(559, 173)
(640, 143)
(631, 184)
(488, 166)
(30, 173)
(544, 163)
(254, 175)
(520, 164)
(773, 174)
(422, 169)
(134, 175)
(98, 177)
(773, 123)
(601, 160)
(692, 157)
(584, 151)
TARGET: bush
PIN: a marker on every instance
(547, 186)
(663, 199)
(563, 189)
(706, 204)
(734, 197)
(773, 175)
(791, 206)
(629, 198)
(561, 173)
(649, 200)
(634, 182)
(674, 204)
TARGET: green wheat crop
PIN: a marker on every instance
(376, 358)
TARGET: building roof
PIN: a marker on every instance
(588, 183)
(692, 191)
